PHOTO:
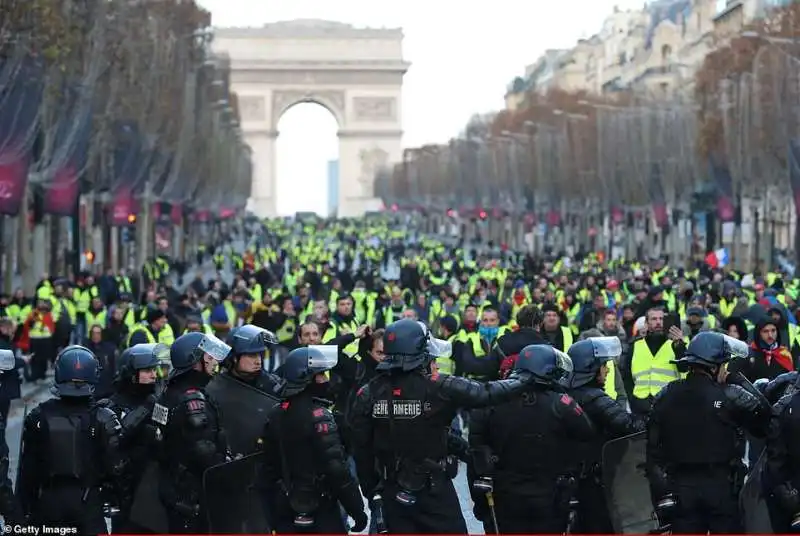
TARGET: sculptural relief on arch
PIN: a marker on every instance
(356, 73)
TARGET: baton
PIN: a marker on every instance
(490, 502)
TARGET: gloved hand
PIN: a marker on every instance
(761, 384)
(359, 522)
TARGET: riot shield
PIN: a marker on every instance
(234, 497)
(147, 510)
(626, 486)
(755, 516)
(243, 409)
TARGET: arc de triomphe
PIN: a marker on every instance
(356, 73)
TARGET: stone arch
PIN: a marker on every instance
(336, 109)
(355, 73)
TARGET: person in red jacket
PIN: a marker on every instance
(37, 337)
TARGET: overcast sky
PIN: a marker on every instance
(463, 56)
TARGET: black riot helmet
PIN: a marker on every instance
(588, 356)
(76, 372)
(189, 349)
(139, 357)
(547, 364)
(303, 364)
(711, 349)
(250, 339)
(408, 345)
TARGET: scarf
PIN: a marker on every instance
(780, 354)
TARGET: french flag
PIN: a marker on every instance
(718, 258)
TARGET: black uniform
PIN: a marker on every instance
(60, 477)
(9, 505)
(694, 448)
(243, 405)
(192, 442)
(304, 452)
(532, 441)
(133, 405)
(610, 421)
(401, 421)
(782, 476)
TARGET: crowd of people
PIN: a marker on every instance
(341, 347)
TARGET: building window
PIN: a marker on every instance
(666, 53)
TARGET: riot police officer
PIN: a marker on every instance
(610, 420)
(694, 435)
(69, 448)
(135, 387)
(524, 456)
(244, 390)
(781, 478)
(189, 424)
(303, 449)
(251, 347)
(401, 420)
(9, 505)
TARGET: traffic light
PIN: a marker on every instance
(482, 214)
(131, 219)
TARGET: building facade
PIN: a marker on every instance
(654, 51)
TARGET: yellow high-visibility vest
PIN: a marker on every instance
(568, 338)
(652, 372)
(141, 327)
(445, 362)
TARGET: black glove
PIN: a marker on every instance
(360, 522)
(458, 447)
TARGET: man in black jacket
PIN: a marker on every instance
(509, 345)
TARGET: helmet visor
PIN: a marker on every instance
(160, 351)
(735, 348)
(323, 357)
(266, 337)
(439, 347)
(606, 347)
(563, 361)
(214, 347)
(7, 360)
(269, 338)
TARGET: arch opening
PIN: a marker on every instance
(307, 159)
